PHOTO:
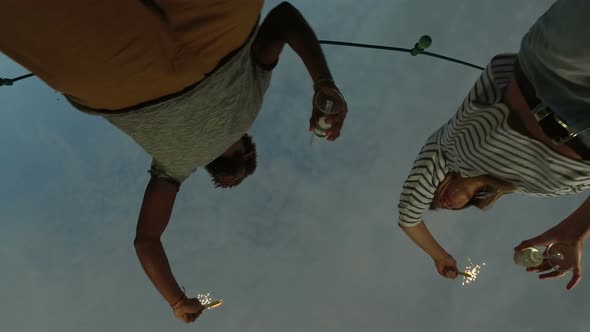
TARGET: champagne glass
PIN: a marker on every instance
(328, 101)
(560, 256)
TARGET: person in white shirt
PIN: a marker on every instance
(521, 129)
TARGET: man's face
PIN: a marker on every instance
(234, 165)
(228, 181)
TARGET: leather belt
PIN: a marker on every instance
(549, 121)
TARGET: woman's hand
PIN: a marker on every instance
(446, 266)
(573, 230)
(189, 310)
(563, 234)
(445, 263)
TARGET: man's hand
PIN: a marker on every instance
(285, 25)
(189, 311)
(336, 120)
(563, 233)
(446, 266)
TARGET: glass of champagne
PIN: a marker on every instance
(327, 101)
(560, 256)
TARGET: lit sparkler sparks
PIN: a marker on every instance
(208, 302)
(471, 272)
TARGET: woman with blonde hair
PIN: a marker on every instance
(523, 128)
(457, 193)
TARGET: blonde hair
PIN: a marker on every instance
(493, 189)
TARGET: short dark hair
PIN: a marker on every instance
(233, 165)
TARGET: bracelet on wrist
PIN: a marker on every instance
(179, 303)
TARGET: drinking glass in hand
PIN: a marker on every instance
(327, 102)
(558, 256)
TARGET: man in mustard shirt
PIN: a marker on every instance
(184, 79)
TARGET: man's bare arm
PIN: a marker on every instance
(285, 25)
(154, 216)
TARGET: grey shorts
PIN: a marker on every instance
(555, 57)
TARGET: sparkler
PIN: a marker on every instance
(207, 302)
(470, 273)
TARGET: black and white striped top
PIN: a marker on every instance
(478, 141)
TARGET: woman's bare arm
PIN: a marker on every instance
(444, 262)
(422, 237)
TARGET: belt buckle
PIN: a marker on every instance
(563, 140)
(543, 113)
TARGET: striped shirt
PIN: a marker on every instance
(478, 141)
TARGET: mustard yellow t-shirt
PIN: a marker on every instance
(113, 54)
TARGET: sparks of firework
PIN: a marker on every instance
(471, 272)
(208, 302)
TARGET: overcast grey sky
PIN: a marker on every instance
(310, 242)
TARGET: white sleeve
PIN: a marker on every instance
(428, 171)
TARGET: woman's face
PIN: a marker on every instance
(459, 191)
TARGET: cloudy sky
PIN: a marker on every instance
(310, 242)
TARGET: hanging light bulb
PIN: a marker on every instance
(423, 43)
